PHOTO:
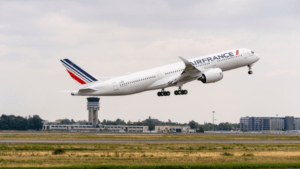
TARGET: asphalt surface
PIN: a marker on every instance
(157, 141)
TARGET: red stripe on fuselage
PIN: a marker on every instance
(76, 78)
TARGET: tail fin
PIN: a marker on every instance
(77, 73)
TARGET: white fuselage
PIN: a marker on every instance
(158, 78)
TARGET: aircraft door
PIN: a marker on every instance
(244, 59)
(115, 86)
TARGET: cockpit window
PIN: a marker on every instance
(252, 52)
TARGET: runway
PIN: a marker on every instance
(157, 141)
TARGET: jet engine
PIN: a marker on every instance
(211, 76)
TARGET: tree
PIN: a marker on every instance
(65, 121)
(201, 130)
(193, 124)
(20, 123)
(151, 126)
(72, 121)
(206, 126)
(35, 123)
(119, 122)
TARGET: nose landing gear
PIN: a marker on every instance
(250, 70)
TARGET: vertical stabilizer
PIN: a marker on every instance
(77, 73)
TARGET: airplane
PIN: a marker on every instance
(207, 69)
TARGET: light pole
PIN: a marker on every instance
(216, 122)
(213, 120)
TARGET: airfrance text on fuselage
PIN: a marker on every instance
(210, 59)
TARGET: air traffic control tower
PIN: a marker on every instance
(93, 107)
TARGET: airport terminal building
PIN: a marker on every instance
(88, 126)
(269, 123)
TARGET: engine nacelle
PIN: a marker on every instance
(211, 76)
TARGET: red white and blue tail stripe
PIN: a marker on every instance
(77, 73)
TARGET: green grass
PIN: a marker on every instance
(248, 154)
(226, 154)
(212, 166)
(59, 151)
(175, 147)
(145, 154)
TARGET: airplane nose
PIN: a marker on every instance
(257, 56)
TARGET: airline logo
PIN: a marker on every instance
(77, 73)
(237, 52)
(211, 59)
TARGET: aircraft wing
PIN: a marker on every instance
(189, 73)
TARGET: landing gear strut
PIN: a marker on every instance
(180, 92)
(250, 70)
(163, 93)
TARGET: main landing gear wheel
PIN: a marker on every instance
(250, 72)
(180, 92)
(164, 93)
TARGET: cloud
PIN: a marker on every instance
(111, 38)
(279, 73)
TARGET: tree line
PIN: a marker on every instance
(12, 122)
(194, 125)
(217, 127)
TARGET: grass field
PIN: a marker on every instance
(144, 154)
(30, 154)
(97, 136)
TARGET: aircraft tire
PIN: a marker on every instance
(250, 72)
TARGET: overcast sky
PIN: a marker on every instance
(112, 38)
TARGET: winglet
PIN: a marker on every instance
(188, 65)
(184, 60)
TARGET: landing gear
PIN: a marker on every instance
(180, 92)
(250, 70)
(163, 93)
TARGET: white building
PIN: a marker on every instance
(88, 126)
(296, 123)
(173, 129)
(68, 127)
(126, 128)
(276, 124)
(244, 123)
